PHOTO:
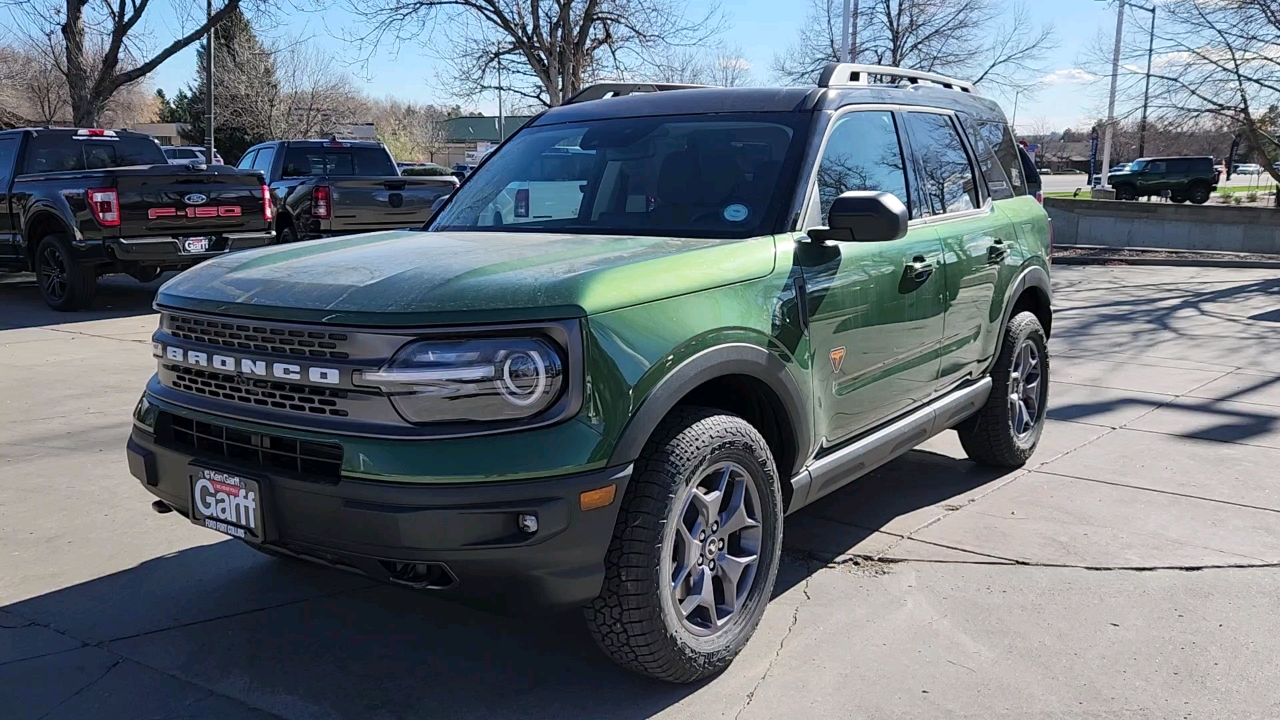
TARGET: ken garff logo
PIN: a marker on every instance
(195, 199)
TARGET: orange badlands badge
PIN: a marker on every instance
(837, 359)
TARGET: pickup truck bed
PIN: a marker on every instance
(335, 187)
(76, 204)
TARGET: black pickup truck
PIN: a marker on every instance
(339, 187)
(78, 203)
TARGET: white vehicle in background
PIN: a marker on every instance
(183, 154)
(1248, 169)
(526, 202)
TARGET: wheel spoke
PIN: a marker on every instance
(735, 517)
(708, 504)
(731, 568)
(702, 595)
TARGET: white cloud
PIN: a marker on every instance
(1072, 76)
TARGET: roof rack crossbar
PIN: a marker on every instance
(600, 91)
(847, 74)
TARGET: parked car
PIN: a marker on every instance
(1249, 169)
(615, 408)
(425, 170)
(1183, 178)
(325, 188)
(1071, 171)
(1122, 167)
(79, 203)
(181, 155)
(462, 170)
(1045, 171)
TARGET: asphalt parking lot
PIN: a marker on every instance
(1132, 569)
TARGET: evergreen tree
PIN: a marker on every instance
(245, 90)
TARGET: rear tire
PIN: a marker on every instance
(64, 284)
(287, 235)
(1199, 194)
(1007, 429)
(703, 502)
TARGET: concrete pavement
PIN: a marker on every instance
(1130, 570)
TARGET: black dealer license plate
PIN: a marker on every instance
(227, 503)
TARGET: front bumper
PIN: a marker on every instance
(166, 250)
(471, 529)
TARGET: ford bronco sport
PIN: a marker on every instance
(757, 296)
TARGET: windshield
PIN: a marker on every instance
(1136, 166)
(693, 176)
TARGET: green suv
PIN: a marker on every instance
(653, 323)
(1180, 178)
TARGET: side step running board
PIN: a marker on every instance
(834, 471)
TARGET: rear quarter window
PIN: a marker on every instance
(1000, 139)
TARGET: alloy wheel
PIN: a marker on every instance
(1025, 389)
(713, 555)
(53, 274)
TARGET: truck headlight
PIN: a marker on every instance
(472, 380)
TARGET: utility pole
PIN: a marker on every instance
(1111, 103)
(1146, 91)
(1013, 125)
(208, 88)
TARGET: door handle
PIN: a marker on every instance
(997, 253)
(918, 270)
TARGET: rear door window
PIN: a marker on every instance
(246, 162)
(301, 161)
(263, 161)
(1179, 166)
(946, 176)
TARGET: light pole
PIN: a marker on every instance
(1111, 102)
(1146, 91)
(849, 36)
(208, 87)
(1013, 124)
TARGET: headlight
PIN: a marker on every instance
(482, 379)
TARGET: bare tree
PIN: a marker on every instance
(34, 92)
(100, 46)
(545, 51)
(989, 42)
(411, 132)
(721, 66)
(1217, 68)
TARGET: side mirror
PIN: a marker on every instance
(864, 216)
(439, 203)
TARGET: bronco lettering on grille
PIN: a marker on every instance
(254, 368)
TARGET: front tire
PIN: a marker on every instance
(64, 284)
(1126, 192)
(1006, 430)
(695, 550)
(287, 235)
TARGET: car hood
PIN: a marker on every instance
(407, 277)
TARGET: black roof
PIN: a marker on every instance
(694, 101)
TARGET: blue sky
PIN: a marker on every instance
(759, 27)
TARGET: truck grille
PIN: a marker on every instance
(263, 393)
(308, 460)
(260, 338)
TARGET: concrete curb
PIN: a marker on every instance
(1173, 262)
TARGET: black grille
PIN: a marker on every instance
(318, 462)
(260, 338)
(263, 393)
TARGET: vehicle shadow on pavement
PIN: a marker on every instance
(304, 641)
(118, 296)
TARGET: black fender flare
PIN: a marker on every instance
(1032, 277)
(40, 212)
(719, 361)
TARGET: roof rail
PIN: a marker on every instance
(599, 91)
(846, 74)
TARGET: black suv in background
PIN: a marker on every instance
(79, 203)
(339, 187)
(1183, 178)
